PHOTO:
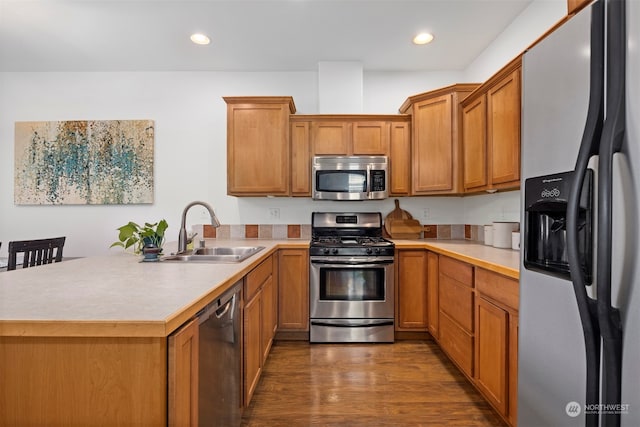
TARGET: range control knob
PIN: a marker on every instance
(369, 251)
(325, 251)
(377, 250)
(334, 251)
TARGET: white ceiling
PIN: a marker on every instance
(247, 35)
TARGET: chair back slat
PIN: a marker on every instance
(36, 252)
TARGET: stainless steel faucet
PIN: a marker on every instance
(182, 236)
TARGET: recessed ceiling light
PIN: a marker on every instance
(199, 38)
(423, 38)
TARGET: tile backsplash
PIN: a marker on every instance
(303, 231)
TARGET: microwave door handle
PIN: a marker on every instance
(368, 178)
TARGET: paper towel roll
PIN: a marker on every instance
(502, 233)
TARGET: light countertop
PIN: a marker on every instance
(117, 295)
(503, 261)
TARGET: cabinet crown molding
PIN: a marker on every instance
(261, 100)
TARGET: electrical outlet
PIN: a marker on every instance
(274, 213)
(425, 213)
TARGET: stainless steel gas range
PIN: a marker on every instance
(351, 278)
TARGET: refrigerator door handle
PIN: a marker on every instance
(589, 146)
(612, 137)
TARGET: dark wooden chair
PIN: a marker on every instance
(36, 252)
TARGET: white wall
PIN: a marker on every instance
(190, 145)
(534, 21)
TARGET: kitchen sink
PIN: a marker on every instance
(217, 254)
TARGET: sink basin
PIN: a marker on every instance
(218, 254)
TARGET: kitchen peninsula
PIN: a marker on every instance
(86, 341)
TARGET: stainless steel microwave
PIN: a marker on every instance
(350, 177)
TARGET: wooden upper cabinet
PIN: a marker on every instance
(433, 151)
(491, 141)
(349, 135)
(258, 145)
(474, 119)
(300, 159)
(574, 6)
(400, 159)
(503, 130)
(436, 165)
(370, 138)
(330, 138)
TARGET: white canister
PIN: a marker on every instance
(515, 240)
(502, 233)
(488, 235)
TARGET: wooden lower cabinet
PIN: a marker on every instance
(496, 351)
(293, 290)
(183, 376)
(258, 324)
(492, 352)
(82, 381)
(456, 296)
(252, 343)
(433, 305)
(411, 290)
(477, 327)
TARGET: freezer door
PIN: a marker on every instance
(551, 371)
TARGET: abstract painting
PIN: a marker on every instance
(84, 162)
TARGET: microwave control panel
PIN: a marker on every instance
(378, 180)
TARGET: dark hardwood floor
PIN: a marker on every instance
(408, 383)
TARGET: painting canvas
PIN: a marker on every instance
(84, 162)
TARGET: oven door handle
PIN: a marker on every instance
(352, 264)
(359, 261)
(352, 323)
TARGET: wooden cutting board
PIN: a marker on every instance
(403, 228)
(397, 213)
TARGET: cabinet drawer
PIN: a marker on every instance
(497, 287)
(257, 277)
(457, 343)
(456, 300)
(458, 270)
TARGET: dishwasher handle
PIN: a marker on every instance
(219, 307)
(230, 304)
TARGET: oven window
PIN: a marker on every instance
(352, 181)
(352, 284)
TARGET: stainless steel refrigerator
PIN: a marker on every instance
(579, 330)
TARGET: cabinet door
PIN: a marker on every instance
(400, 159)
(258, 149)
(433, 145)
(370, 138)
(252, 354)
(293, 289)
(411, 290)
(300, 159)
(474, 144)
(183, 376)
(491, 358)
(330, 138)
(268, 317)
(433, 306)
(503, 130)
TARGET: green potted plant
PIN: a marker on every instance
(147, 239)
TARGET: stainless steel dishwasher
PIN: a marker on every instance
(219, 402)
